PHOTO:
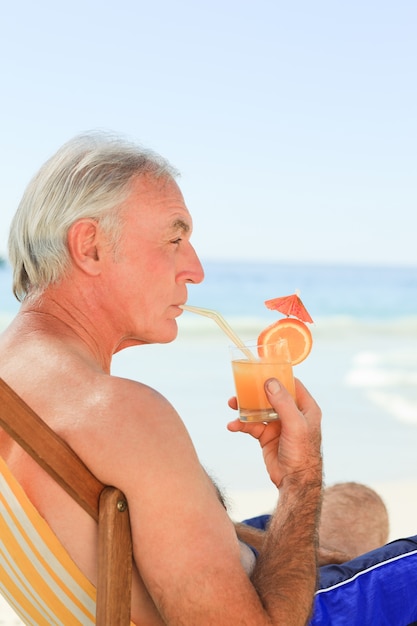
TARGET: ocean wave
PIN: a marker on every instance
(394, 325)
(381, 377)
(388, 377)
(402, 408)
(340, 326)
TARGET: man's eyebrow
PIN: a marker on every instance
(180, 224)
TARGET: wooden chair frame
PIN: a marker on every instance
(106, 504)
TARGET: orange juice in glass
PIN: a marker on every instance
(251, 369)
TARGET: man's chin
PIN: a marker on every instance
(166, 337)
(172, 335)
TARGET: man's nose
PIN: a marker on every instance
(195, 273)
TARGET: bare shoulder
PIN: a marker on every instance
(123, 424)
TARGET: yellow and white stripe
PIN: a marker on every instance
(38, 578)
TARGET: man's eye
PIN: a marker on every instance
(177, 241)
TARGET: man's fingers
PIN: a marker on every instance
(253, 428)
(305, 400)
(232, 402)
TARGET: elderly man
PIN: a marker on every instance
(101, 253)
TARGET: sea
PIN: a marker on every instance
(362, 369)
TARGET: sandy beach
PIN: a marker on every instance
(399, 497)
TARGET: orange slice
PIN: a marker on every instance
(296, 333)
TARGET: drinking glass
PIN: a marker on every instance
(251, 369)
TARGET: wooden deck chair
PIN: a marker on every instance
(37, 576)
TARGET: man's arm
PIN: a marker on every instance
(255, 538)
(286, 570)
(285, 574)
(185, 545)
(250, 535)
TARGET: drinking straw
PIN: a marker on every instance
(214, 315)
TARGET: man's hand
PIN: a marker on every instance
(290, 444)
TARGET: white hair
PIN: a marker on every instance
(90, 176)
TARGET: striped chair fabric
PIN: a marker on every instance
(38, 578)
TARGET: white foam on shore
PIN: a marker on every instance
(370, 369)
(403, 409)
(389, 379)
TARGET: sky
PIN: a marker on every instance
(293, 124)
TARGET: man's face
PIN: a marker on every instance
(154, 261)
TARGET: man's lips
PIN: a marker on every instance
(179, 307)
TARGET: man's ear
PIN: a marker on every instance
(84, 245)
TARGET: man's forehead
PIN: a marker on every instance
(159, 201)
(155, 191)
(149, 184)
